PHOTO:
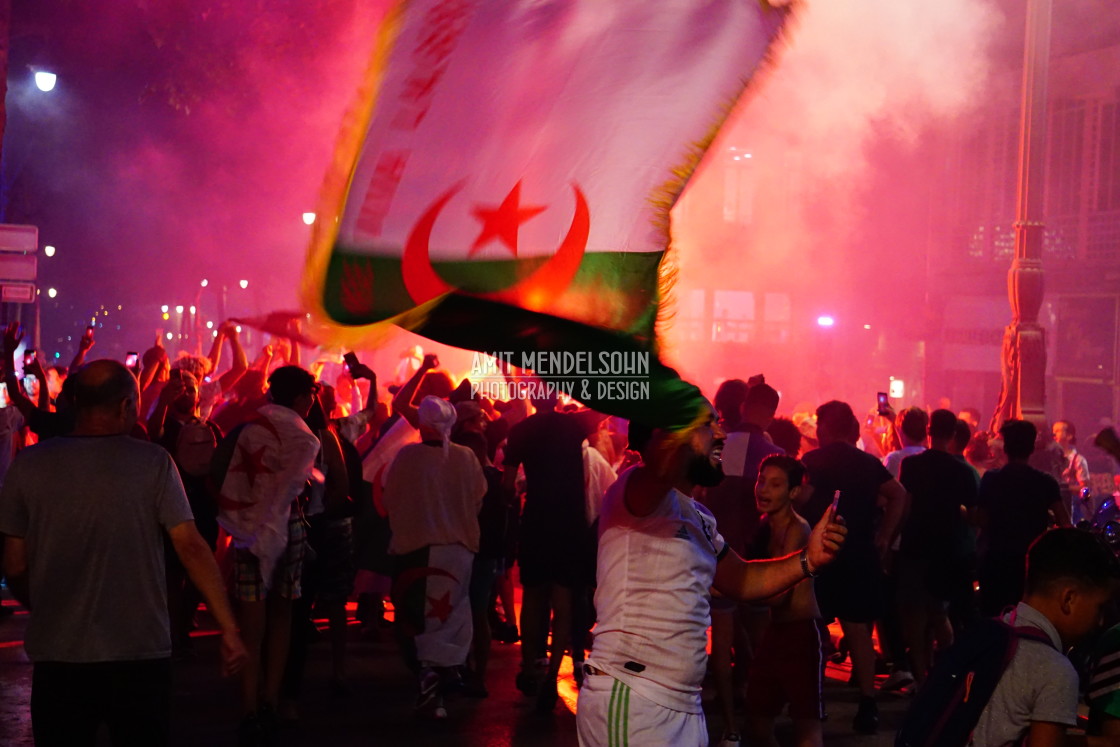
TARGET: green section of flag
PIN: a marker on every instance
(362, 289)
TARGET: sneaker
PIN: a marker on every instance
(505, 633)
(867, 717)
(435, 710)
(731, 739)
(841, 653)
(896, 680)
(429, 689)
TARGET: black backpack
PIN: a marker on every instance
(948, 707)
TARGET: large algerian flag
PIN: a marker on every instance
(506, 183)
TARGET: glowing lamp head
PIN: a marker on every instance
(204, 282)
(243, 283)
(48, 250)
(825, 321)
(45, 81)
(51, 292)
(308, 218)
(192, 309)
(179, 309)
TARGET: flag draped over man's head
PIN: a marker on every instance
(505, 184)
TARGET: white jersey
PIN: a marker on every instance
(654, 579)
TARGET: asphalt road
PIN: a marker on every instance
(379, 709)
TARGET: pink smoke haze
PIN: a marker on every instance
(185, 142)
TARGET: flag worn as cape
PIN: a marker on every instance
(506, 182)
(272, 460)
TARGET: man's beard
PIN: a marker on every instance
(703, 473)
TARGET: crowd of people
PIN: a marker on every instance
(269, 490)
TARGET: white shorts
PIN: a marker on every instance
(610, 714)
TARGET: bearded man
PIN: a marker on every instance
(659, 555)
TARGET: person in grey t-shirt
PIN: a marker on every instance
(85, 518)
(1071, 574)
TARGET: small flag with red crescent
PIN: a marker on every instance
(515, 162)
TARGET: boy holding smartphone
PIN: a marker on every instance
(787, 666)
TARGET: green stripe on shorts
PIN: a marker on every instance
(618, 716)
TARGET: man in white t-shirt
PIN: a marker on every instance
(659, 555)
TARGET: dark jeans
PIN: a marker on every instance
(70, 701)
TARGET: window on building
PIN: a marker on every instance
(733, 316)
(1067, 158)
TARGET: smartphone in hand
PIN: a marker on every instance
(883, 403)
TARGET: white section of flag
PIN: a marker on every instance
(610, 95)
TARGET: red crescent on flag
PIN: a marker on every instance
(534, 292)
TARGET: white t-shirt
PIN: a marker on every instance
(433, 497)
(654, 579)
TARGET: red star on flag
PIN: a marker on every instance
(252, 463)
(503, 222)
(440, 607)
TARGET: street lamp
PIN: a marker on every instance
(49, 250)
(308, 218)
(1023, 361)
(51, 292)
(45, 81)
(243, 283)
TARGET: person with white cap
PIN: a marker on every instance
(433, 493)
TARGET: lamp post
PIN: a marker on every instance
(1023, 363)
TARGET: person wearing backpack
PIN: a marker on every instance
(176, 426)
(1070, 576)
